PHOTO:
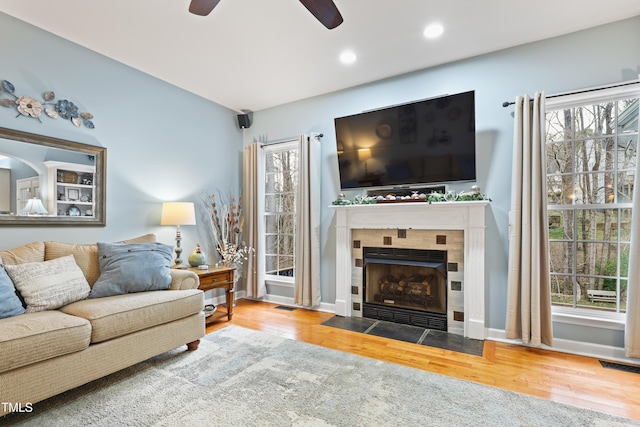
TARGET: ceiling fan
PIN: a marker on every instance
(325, 11)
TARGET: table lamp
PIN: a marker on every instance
(35, 207)
(178, 213)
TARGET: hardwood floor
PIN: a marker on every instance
(565, 378)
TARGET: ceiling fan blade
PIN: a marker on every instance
(202, 7)
(325, 11)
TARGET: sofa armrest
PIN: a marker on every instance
(184, 279)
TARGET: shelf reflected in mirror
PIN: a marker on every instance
(67, 177)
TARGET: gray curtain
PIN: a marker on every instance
(307, 264)
(250, 194)
(528, 293)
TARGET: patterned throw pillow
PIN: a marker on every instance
(136, 267)
(49, 285)
(10, 304)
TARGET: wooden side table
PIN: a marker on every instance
(218, 278)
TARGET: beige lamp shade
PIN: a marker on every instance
(364, 153)
(178, 213)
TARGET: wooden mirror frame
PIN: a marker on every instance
(100, 178)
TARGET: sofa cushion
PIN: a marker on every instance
(119, 315)
(134, 267)
(33, 337)
(147, 238)
(49, 285)
(10, 304)
(86, 257)
(32, 252)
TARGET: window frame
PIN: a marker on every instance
(576, 315)
(282, 281)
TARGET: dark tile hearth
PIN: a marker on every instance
(397, 331)
(408, 333)
(453, 342)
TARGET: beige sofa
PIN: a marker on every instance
(48, 352)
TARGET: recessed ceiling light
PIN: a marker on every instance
(433, 31)
(348, 57)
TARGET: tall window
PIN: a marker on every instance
(591, 162)
(281, 181)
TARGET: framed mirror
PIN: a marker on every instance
(50, 181)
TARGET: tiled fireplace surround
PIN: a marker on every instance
(456, 227)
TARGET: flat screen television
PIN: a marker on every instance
(409, 145)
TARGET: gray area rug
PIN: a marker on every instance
(240, 377)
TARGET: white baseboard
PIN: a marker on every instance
(288, 301)
(598, 351)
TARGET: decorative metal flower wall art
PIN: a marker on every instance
(31, 107)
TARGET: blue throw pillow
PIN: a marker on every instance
(10, 304)
(135, 267)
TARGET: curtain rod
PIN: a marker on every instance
(283, 141)
(627, 83)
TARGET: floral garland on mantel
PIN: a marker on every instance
(30, 107)
(433, 197)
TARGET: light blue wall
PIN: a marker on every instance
(594, 57)
(163, 143)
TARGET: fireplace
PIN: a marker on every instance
(405, 286)
(423, 226)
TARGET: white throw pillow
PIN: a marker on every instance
(49, 285)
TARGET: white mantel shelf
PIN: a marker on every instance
(467, 216)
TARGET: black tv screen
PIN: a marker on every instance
(423, 142)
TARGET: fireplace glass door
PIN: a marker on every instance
(406, 284)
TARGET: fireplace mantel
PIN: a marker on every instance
(466, 216)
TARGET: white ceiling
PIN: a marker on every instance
(255, 54)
